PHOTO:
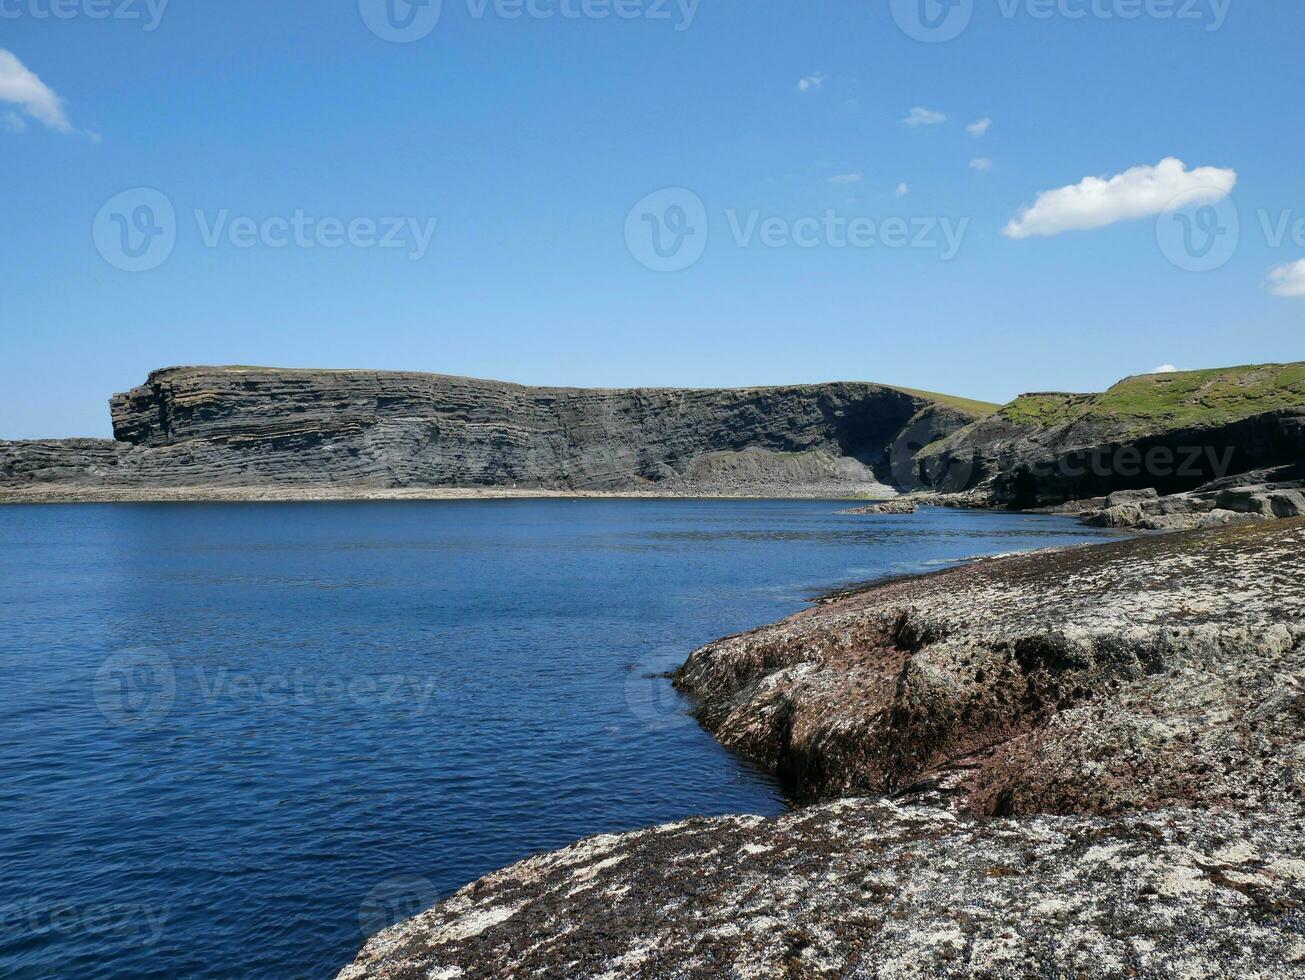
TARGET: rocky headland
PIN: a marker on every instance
(1155, 452)
(1085, 762)
(1225, 439)
(219, 433)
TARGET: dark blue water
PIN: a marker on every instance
(234, 739)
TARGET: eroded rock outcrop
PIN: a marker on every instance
(1087, 762)
(1153, 672)
(256, 427)
(901, 506)
(1171, 432)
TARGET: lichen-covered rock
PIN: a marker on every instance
(898, 506)
(1155, 672)
(870, 889)
(1088, 762)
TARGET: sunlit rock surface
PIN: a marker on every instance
(1088, 762)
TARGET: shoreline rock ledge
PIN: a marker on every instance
(1086, 762)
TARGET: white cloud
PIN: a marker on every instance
(851, 178)
(20, 87)
(1164, 369)
(1289, 280)
(920, 116)
(981, 163)
(811, 82)
(1095, 202)
(979, 127)
(903, 189)
(14, 123)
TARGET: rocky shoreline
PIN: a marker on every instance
(55, 494)
(1081, 762)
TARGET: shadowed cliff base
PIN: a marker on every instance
(1082, 762)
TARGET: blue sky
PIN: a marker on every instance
(528, 140)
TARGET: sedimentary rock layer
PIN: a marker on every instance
(257, 427)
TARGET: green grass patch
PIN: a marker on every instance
(971, 405)
(1185, 398)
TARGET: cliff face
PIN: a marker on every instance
(1172, 432)
(255, 427)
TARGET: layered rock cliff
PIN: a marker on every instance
(260, 427)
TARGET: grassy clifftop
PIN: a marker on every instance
(1184, 398)
(969, 405)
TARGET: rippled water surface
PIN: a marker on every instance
(235, 739)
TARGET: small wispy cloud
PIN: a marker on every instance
(810, 83)
(1164, 369)
(20, 87)
(920, 116)
(980, 164)
(979, 127)
(1288, 280)
(1095, 202)
(903, 189)
(852, 178)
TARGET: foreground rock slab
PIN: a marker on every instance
(861, 888)
(1086, 762)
